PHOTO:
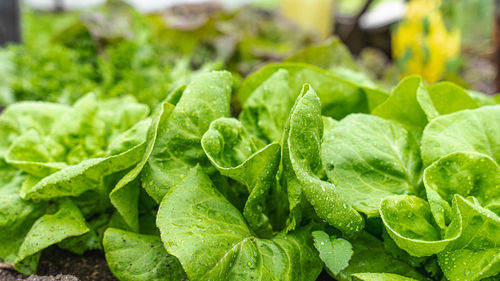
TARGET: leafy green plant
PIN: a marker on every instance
(319, 170)
(113, 50)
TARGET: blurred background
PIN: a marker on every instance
(57, 50)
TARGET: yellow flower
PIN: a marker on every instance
(421, 44)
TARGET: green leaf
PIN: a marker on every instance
(289, 180)
(37, 155)
(177, 148)
(50, 229)
(213, 242)
(334, 252)
(334, 57)
(402, 106)
(265, 112)
(305, 135)
(482, 99)
(371, 256)
(291, 185)
(175, 95)
(466, 174)
(444, 98)
(95, 124)
(373, 93)
(21, 117)
(369, 158)
(476, 253)
(328, 125)
(130, 138)
(409, 222)
(379, 277)
(402, 255)
(125, 150)
(16, 215)
(475, 130)
(375, 97)
(338, 96)
(125, 194)
(329, 54)
(138, 257)
(121, 114)
(239, 156)
(87, 175)
(90, 240)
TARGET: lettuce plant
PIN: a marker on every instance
(317, 172)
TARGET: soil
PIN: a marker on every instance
(59, 265)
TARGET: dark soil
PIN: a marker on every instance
(60, 265)
(324, 277)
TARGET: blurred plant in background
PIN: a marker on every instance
(313, 15)
(422, 43)
(114, 50)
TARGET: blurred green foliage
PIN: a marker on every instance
(113, 50)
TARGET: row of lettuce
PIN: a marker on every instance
(114, 50)
(320, 170)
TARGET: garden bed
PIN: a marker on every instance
(60, 265)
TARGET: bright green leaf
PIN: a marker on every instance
(87, 175)
(239, 156)
(305, 135)
(475, 130)
(334, 252)
(266, 110)
(50, 229)
(369, 158)
(476, 253)
(177, 148)
(409, 222)
(139, 257)
(338, 96)
(444, 98)
(466, 174)
(212, 241)
(125, 195)
(371, 256)
(402, 106)
(21, 117)
(16, 216)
